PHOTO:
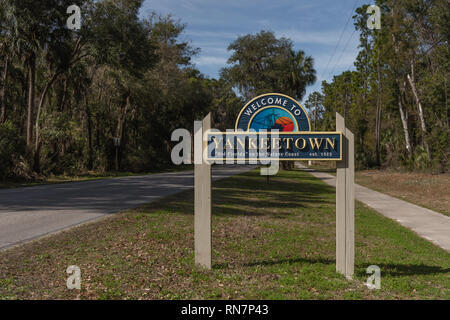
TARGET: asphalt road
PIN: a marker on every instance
(32, 212)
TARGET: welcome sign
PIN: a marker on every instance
(274, 126)
(273, 111)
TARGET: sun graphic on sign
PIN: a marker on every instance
(286, 124)
(273, 118)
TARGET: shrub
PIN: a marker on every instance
(12, 147)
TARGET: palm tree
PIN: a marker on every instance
(301, 73)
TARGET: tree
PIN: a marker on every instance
(71, 92)
(399, 88)
(225, 103)
(314, 104)
(262, 63)
(122, 42)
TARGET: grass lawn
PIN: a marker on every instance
(270, 241)
(53, 179)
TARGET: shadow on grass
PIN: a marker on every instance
(393, 270)
(252, 191)
(289, 261)
(249, 194)
(400, 270)
(277, 262)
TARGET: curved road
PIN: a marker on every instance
(32, 212)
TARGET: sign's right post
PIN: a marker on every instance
(345, 202)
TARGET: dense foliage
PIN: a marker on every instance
(66, 96)
(396, 101)
(108, 96)
(262, 63)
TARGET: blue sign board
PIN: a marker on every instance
(276, 127)
(274, 146)
(273, 111)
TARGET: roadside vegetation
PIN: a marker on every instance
(87, 176)
(270, 241)
(395, 100)
(107, 97)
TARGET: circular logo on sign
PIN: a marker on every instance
(273, 111)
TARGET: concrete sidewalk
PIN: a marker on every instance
(428, 224)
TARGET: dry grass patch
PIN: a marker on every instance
(427, 190)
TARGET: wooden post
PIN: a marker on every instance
(345, 202)
(202, 184)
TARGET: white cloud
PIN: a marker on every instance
(211, 34)
(313, 37)
(340, 60)
(210, 61)
(303, 37)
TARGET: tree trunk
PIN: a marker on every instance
(120, 123)
(38, 116)
(346, 100)
(89, 120)
(315, 114)
(419, 106)
(64, 97)
(378, 133)
(31, 84)
(37, 158)
(404, 117)
(3, 93)
(403, 112)
(378, 117)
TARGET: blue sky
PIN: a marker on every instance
(315, 26)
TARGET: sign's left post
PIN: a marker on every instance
(202, 202)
